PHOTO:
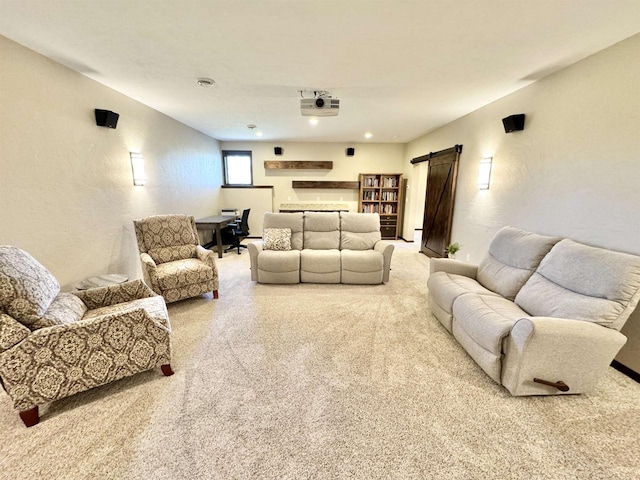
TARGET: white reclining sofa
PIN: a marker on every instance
(539, 315)
(321, 247)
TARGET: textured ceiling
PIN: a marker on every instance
(399, 68)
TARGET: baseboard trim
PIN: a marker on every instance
(626, 370)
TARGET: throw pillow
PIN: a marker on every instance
(277, 239)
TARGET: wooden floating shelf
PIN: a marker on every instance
(325, 184)
(297, 165)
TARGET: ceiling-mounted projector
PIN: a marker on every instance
(320, 106)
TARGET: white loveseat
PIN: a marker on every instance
(538, 307)
(325, 247)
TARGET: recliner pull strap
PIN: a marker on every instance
(560, 385)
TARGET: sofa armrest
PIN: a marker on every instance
(12, 332)
(386, 248)
(254, 249)
(81, 355)
(455, 267)
(113, 294)
(574, 352)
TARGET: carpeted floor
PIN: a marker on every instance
(322, 382)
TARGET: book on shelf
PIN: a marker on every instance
(390, 182)
(370, 208)
(370, 196)
(371, 182)
(389, 196)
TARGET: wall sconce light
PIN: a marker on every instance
(137, 167)
(484, 173)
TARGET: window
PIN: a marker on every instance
(237, 167)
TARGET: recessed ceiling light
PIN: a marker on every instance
(394, 136)
(368, 135)
(205, 82)
(258, 134)
(313, 121)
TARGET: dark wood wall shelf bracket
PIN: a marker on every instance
(297, 165)
(325, 184)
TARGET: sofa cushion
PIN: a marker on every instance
(26, 287)
(512, 258)
(183, 272)
(293, 221)
(279, 267)
(361, 266)
(487, 319)
(580, 282)
(445, 287)
(175, 252)
(322, 230)
(320, 266)
(359, 231)
(277, 239)
(65, 308)
(481, 323)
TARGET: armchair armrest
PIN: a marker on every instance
(386, 248)
(113, 294)
(77, 356)
(457, 267)
(147, 261)
(208, 257)
(254, 250)
(149, 272)
(12, 332)
(553, 350)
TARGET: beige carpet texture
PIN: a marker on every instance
(322, 382)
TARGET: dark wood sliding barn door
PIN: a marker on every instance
(438, 207)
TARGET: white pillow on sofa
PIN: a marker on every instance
(277, 239)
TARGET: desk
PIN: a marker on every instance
(215, 223)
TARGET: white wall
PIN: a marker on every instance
(574, 171)
(368, 158)
(66, 191)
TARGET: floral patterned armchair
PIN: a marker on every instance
(174, 264)
(54, 344)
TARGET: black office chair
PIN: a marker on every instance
(237, 232)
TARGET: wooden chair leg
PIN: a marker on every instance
(215, 294)
(30, 417)
(166, 370)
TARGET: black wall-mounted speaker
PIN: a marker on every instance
(513, 123)
(277, 150)
(351, 152)
(106, 118)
